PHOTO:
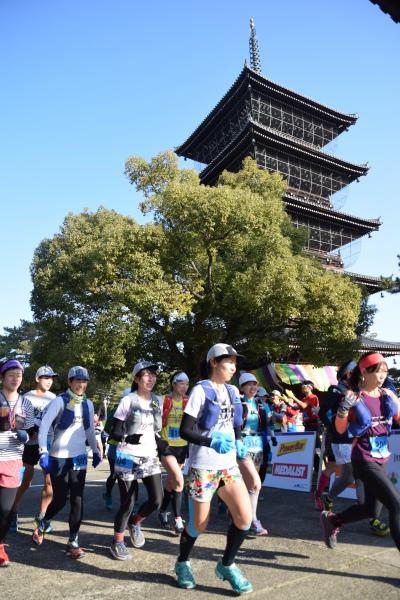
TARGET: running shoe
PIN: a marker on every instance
(239, 583)
(378, 528)
(48, 527)
(137, 536)
(13, 522)
(107, 501)
(329, 529)
(4, 560)
(184, 574)
(327, 502)
(257, 529)
(37, 536)
(163, 516)
(74, 551)
(179, 525)
(318, 501)
(120, 551)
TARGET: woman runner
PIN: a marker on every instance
(368, 412)
(211, 422)
(173, 407)
(137, 425)
(72, 416)
(16, 415)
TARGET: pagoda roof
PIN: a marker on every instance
(390, 7)
(386, 348)
(247, 78)
(287, 143)
(373, 284)
(301, 204)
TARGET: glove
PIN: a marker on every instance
(222, 442)
(347, 403)
(274, 441)
(22, 435)
(44, 461)
(96, 460)
(134, 438)
(241, 450)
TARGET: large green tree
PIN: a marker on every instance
(220, 263)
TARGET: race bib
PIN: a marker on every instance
(253, 443)
(173, 433)
(124, 462)
(79, 462)
(379, 446)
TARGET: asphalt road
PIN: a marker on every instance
(292, 562)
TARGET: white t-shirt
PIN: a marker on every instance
(70, 442)
(147, 445)
(204, 457)
(39, 404)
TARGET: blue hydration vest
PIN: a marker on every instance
(67, 417)
(364, 420)
(211, 410)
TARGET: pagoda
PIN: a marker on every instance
(286, 132)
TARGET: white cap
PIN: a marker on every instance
(261, 392)
(221, 350)
(276, 393)
(181, 376)
(246, 377)
(143, 364)
(45, 371)
(78, 373)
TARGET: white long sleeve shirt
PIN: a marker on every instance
(70, 442)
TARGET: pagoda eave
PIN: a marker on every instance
(370, 283)
(252, 133)
(368, 344)
(295, 204)
(247, 78)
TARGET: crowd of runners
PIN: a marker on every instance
(216, 440)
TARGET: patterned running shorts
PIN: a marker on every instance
(201, 484)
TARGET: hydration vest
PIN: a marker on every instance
(211, 409)
(135, 417)
(4, 414)
(167, 405)
(363, 420)
(9, 415)
(262, 417)
(67, 416)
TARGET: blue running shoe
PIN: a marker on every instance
(14, 522)
(239, 584)
(184, 574)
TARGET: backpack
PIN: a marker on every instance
(211, 409)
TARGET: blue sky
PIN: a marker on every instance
(86, 84)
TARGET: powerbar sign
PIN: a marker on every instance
(292, 462)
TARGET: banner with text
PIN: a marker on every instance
(291, 464)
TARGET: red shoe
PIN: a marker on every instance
(4, 560)
(37, 537)
(74, 552)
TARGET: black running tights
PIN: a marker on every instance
(7, 497)
(74, 481)
(154, 491)
(378, 487)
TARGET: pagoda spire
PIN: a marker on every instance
(255, 62)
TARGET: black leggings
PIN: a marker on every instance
(7, 497)
(112, 478)
(378, 487)
(67, 479)
(154, 490)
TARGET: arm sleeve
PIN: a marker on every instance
(187, 432)
(50, 415)
(117, 431)
(90, 433)
(238, 433)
